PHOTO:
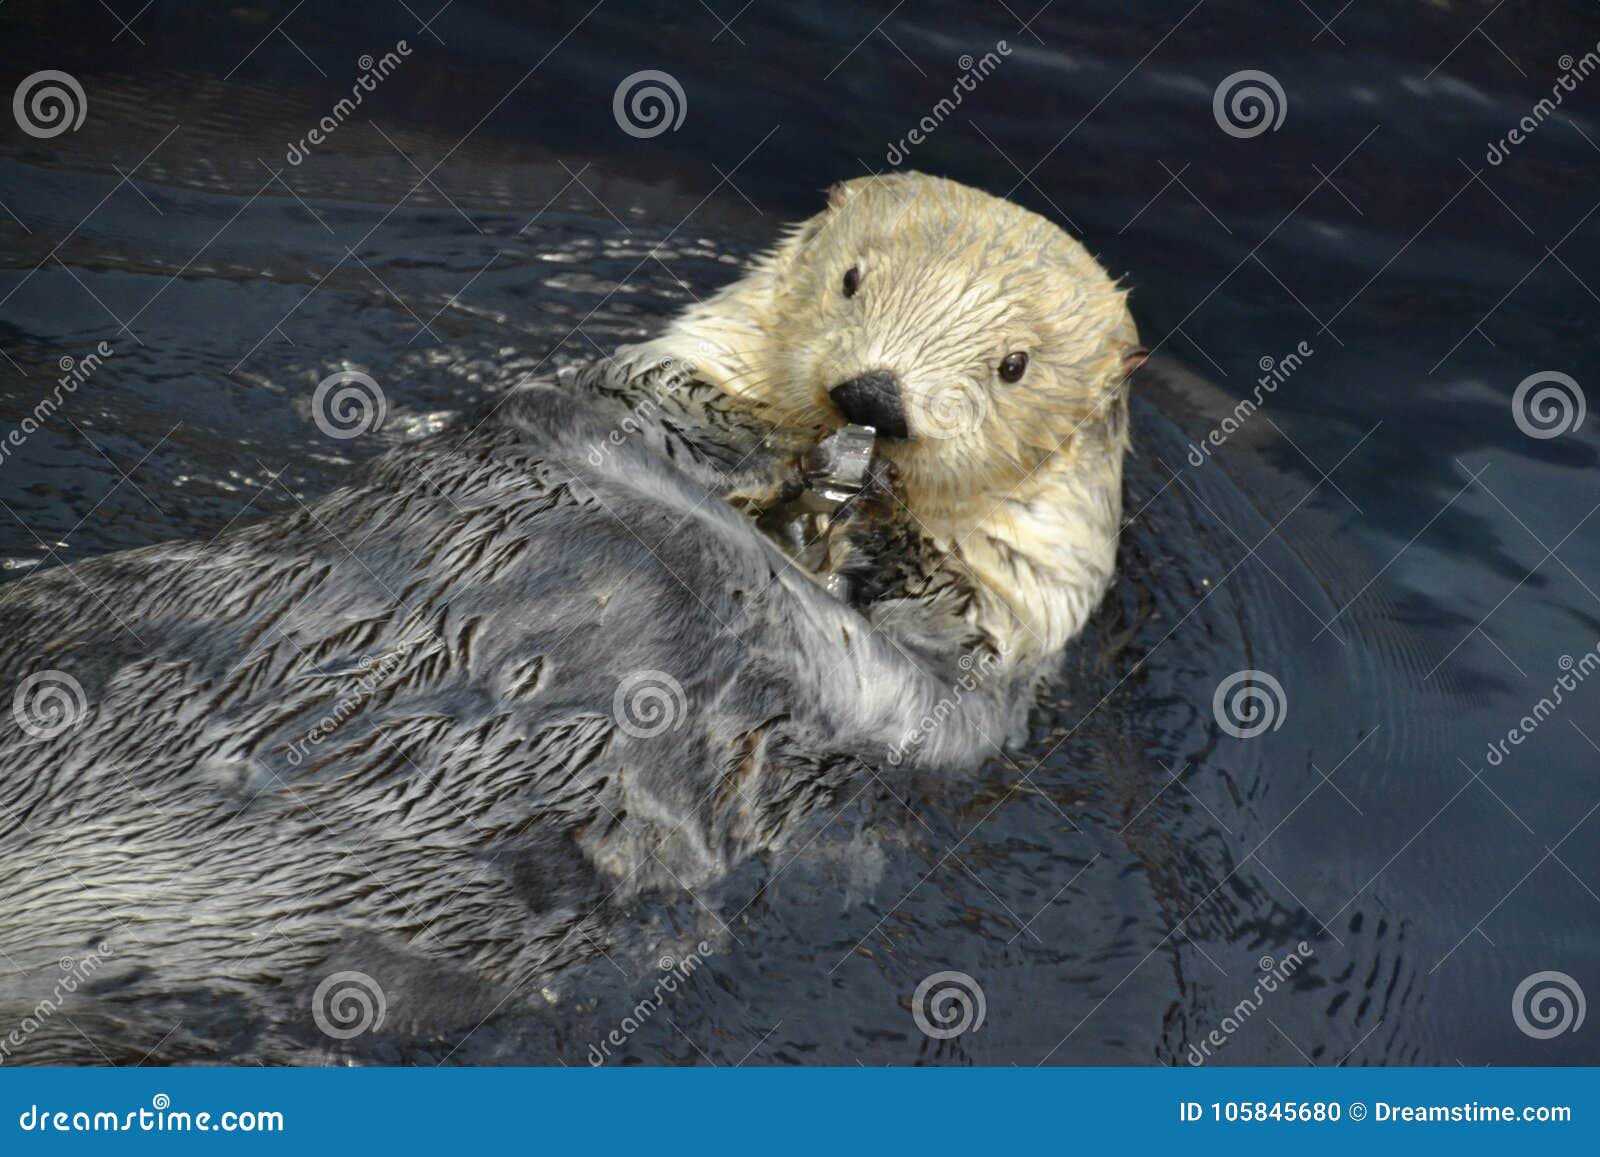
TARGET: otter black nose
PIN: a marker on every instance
(873, 399)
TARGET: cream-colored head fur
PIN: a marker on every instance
(938, 285)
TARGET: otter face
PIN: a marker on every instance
(977, 338)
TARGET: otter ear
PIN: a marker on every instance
(1132, 360)
(838, 193)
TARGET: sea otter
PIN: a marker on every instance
(436, 728)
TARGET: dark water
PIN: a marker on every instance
(1382, 538)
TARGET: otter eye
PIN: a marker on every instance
(1012, 366)
(852, 280)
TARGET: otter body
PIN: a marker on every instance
(435, 727)
(439, 726)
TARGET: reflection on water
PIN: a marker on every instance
(1380, 538)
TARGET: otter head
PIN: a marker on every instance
(991, 354)
(981, 342)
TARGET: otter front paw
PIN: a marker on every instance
(815, 506)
